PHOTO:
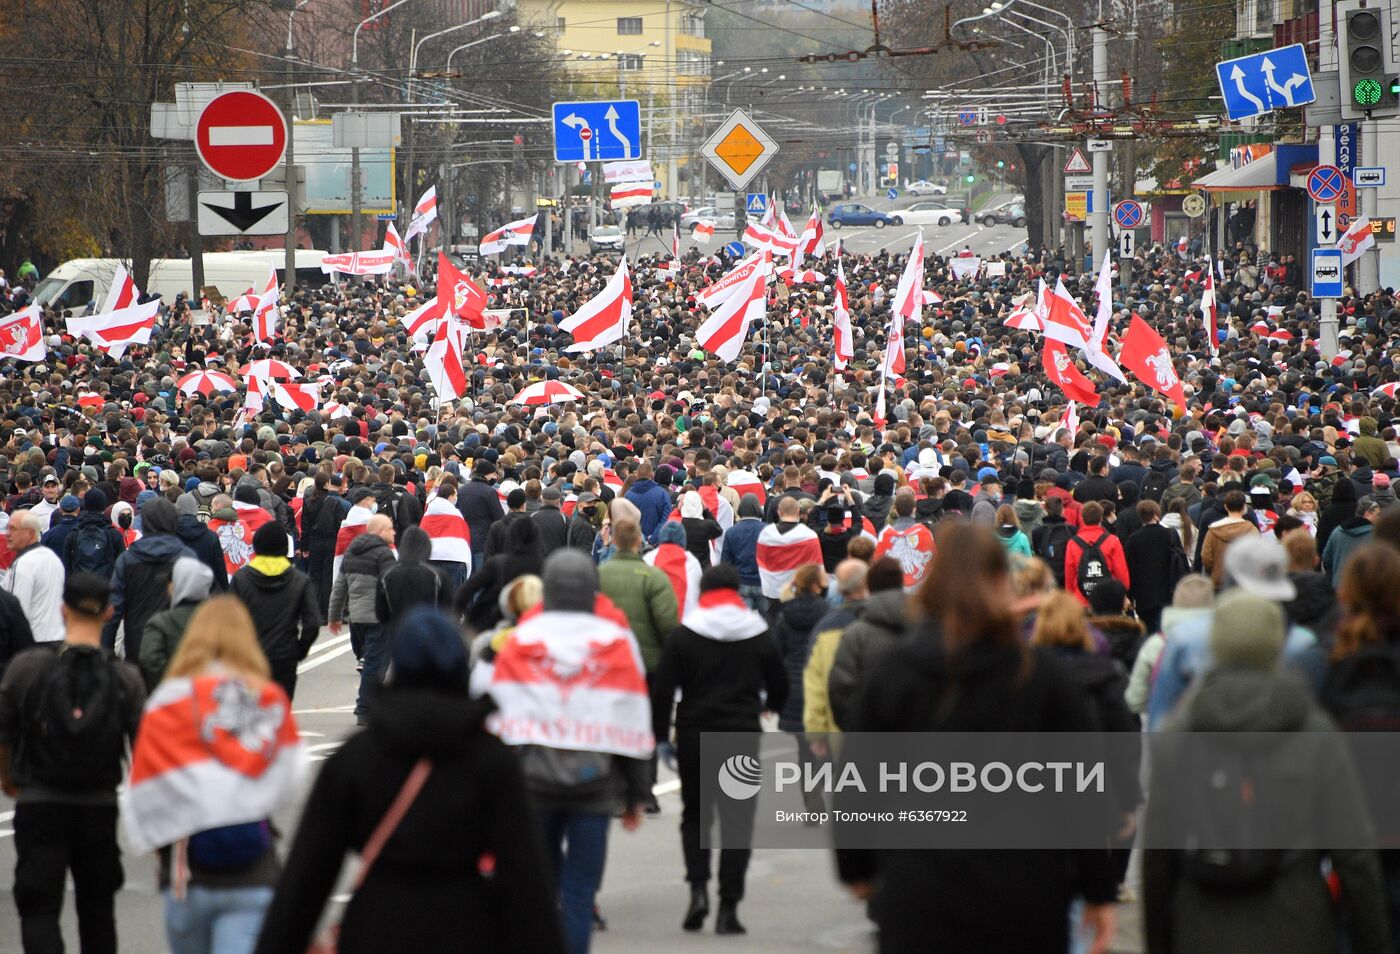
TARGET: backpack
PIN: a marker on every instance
(79, 736)
(1154, 486)
(1225, 811)
(230, 848)
(391, 504)
(1052, 548)
(1363, 691)
(1093, 568)
(1180, 564)
(566, 773)
(88, 549)
(204, 504)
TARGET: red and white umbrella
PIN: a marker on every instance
(248, 301)
(1387, 390)
(1280, 335)
(269, 369)
(206, 382)
(547, 392)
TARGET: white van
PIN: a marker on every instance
(77, 283)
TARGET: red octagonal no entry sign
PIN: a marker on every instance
(241, 135)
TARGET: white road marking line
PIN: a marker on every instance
(311, 735)
(240, 135)
(324, 746)
(324, 710)
(311, 662)
(323, 645)
(7, 833)
(6, 816)
(666, 788)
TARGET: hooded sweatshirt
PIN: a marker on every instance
(740, 546)
(203, 543)
(726, 666)
(142, 575)
(190, 583)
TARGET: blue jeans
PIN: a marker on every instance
(577, 843)
(215, 920)
(752, 593)
(376, 658)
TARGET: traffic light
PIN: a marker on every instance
(1366, 85)
(969, 178)
(1001, 164)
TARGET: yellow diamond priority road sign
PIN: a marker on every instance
(739, 149)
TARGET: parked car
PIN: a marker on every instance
(924, 187)
(670, 211)
(1008, 213)
(853, 213)
(605, 238)
(927, 213)
(722, 220)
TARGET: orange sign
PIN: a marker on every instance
(740, 149)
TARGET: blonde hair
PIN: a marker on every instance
(220, 631)
(1060, 622)
(1031, 576)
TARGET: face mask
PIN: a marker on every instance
(124, 521)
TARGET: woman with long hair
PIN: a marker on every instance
(965, 669)
(1009, 531)
(224, 730)
(1178, 518)
(1304, 507)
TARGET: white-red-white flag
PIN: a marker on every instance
(303, 395)
(723, 333)
(703, 230)
(812, 241)
(22, 335)
(1095, 352)
(604, 318)
(120, 322)
(625, 195)
(265, 314)
(359, 263)
(392, 243)
(843, 347)
(1209, 310)
(512, 233)
(1065, 321)
(712, 296)
(452, 540)
(779, 554)
(1356, 241)
(424, 213)
(443, 361)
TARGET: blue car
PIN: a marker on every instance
(853, 213)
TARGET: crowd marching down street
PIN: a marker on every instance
(648, 497)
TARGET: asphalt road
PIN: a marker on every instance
(794, 903)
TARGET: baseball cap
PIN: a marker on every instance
(50, 479)
(1258, 564)
(70, 504)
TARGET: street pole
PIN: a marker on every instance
(1368, 266)
(1099, 221)
(291, 261)
(192, 197)
(1326, 155)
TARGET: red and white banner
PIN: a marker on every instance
(843, 345)
(1064, 375)
(763, 238)
(1146, 355)
(120, 322)
(746, 482)
(780, 554)
(305, 396)
(627, 194)
(1356, 241)
(22, 335)
(1065, 320)
(464, 297)
(628, 170)
(392, 243)
(1208, 310)
(812, 241)
(424, 214)
(265, 315)
(682, 569)
(572, 681)
(512, 233)
(913, 547)
(359, 263)
(724, 332)
(604, 318)
(443, 361)
(712, 296)
(1094, 350)
(212, 752)
(452, 541)
(421, 321)
(703, 230)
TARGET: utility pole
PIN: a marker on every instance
(1368, 266)
(1099, 220)
(1327, 156)
(291, 241)
(355, 231)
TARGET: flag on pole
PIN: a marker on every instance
(604, 318)
(712, 296)
(22, 335)
(723, 333)
(512, 233)
(1146, 355)
(843, 348)
(1356, 241)
(424, 212)
(392, 243)
(1065, 376)
(1208, 310)
(265, 314)
(1065, 320)
(703, 230)
(627, 194)
(304, 396)
(443, 361)
(811, 242)
(1070, 419)
(1094, 350)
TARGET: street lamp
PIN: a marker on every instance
(464, 46)
(290, 265)
(413, 60)
(355, 187)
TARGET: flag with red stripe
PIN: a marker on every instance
(723, 333)
(604, 318)
(780, 554)
(452, 540)
(22, 335)
(682, 569)
(913, 548)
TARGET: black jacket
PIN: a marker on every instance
(204, 544)
(699, 532)
(15, 634)
(720, 682)
(957, 900)
(1096, 488)
(410, 582)
(794, 631)
(582, 533)
(480, 506)
(478, 599)
(496, 536)
(553, 527)
(91, 519)
(281, 606)
(1149, 556)
(321, 518)
(427, 891)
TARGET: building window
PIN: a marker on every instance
(1264, 16)
(559, 25)
(692, 25)
(629, 61)
(630, 26)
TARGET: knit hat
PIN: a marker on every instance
(1247, 631)
(671, 532)
(94, 501)
(570, 582)
(245, 493)
(185, 505)
(428, 652)
(270, 540)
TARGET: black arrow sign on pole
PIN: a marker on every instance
(1326, 225)
(243, 216)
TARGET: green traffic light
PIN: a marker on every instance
(1001, 164)
(1366, 92)
(970, 178)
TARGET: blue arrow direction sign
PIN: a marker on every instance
(600, 129)
(1262, 82)
(892, 194)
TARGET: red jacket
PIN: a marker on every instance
(1071, 512)
(1109, 545)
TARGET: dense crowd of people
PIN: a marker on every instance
(747, 537)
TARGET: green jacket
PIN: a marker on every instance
(645, 596)
(161, 638)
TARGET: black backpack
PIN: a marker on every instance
(88, 549)
(79, 737)
(1093, 568)
(1154, 486)
(393, 504)
(1052, 548)
(1226, 821)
